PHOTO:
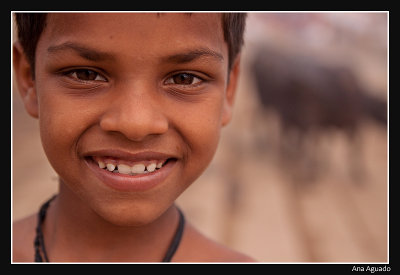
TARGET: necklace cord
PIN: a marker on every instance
(176, 240)
(39, 239)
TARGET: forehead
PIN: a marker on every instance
(131, 33)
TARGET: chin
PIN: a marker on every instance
(131, 216)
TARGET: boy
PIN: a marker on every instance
(130, 108)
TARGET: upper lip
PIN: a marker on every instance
(125, 155)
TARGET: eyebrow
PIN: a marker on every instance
(95, 55)
(83, 51)
(192, 55)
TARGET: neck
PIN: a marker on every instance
(73, 232)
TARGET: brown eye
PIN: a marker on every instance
(183, 79)
(87, 75)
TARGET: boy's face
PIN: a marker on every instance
(130, 90)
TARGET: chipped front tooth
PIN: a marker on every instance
(110, 167)
(138, 168)
(159, 165)
(151, 167)
(124, 169)
(101, 164)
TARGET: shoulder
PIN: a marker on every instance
(195, 247)
(23, 238)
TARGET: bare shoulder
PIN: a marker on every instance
(23, 237)
(195, 247)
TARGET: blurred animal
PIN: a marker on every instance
(311, 98)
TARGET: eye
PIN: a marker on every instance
(86, 75)
(183, 79)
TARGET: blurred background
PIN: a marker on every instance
(301, 172)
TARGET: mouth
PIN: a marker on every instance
(130, 168)
(126, 172)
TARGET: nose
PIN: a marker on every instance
(135, 113)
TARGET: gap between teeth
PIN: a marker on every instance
(130, 170)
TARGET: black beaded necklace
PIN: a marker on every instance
(40, 247)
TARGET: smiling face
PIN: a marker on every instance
(143, 94)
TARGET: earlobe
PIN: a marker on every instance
(31, 103)
(231, 91)
(24, 79)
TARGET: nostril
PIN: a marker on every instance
(135, 127)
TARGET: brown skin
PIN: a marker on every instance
(128, 94)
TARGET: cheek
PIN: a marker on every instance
(61, 124)
(55, 127)
(201, 130)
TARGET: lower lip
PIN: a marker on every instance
(127, 183)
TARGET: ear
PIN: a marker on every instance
(25, 82)
(231, 91)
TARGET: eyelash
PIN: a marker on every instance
(74, 74)
(193, 78)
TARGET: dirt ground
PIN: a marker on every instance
(253, 199)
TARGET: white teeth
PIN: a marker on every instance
(110, 167)
(124, 169)
(101, 164)
(151, 167)
(138, 168)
